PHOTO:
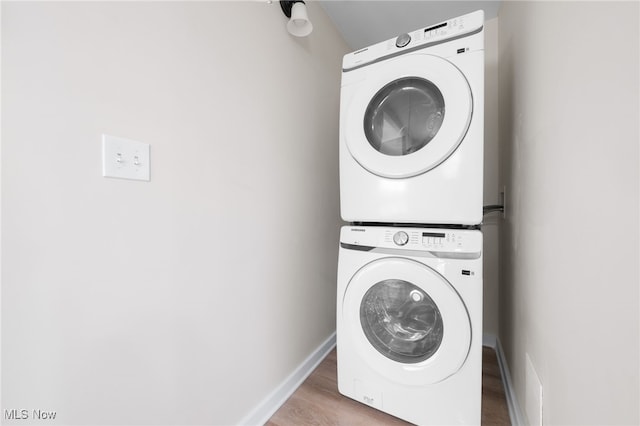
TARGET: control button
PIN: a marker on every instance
(403, 40)
(400, 238)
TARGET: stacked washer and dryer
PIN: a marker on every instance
(409, 313)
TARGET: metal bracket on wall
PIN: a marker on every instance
(492, 208)
(497, 207)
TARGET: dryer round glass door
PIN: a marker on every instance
(407, 116)
(404, 116)
(406, 321)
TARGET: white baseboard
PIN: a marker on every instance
(515, 414)
(268, 406)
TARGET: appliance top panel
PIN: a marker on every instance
(435, 34)
(418, 239)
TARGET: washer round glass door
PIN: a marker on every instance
(406, 321)
(401, 321)
(407, 116)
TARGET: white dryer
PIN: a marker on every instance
(411, 127)
(409, 322)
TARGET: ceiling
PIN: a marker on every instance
(366, 22)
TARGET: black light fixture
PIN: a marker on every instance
(299, 24)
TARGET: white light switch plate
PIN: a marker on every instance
(124, 158)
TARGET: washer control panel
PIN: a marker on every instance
(430, 239)
(433, 240)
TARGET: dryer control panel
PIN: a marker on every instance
(434, 240)
(445, 31)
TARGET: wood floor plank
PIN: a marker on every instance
(494, 401)
(317, 401)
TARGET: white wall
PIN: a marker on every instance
(569, 120)
(491, 222)
(187, 299)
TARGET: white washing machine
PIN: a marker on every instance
(411, 127)
(409, 322)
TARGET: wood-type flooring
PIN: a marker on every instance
(317, 401)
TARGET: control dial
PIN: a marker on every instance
(400, 238)
(403, 40)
